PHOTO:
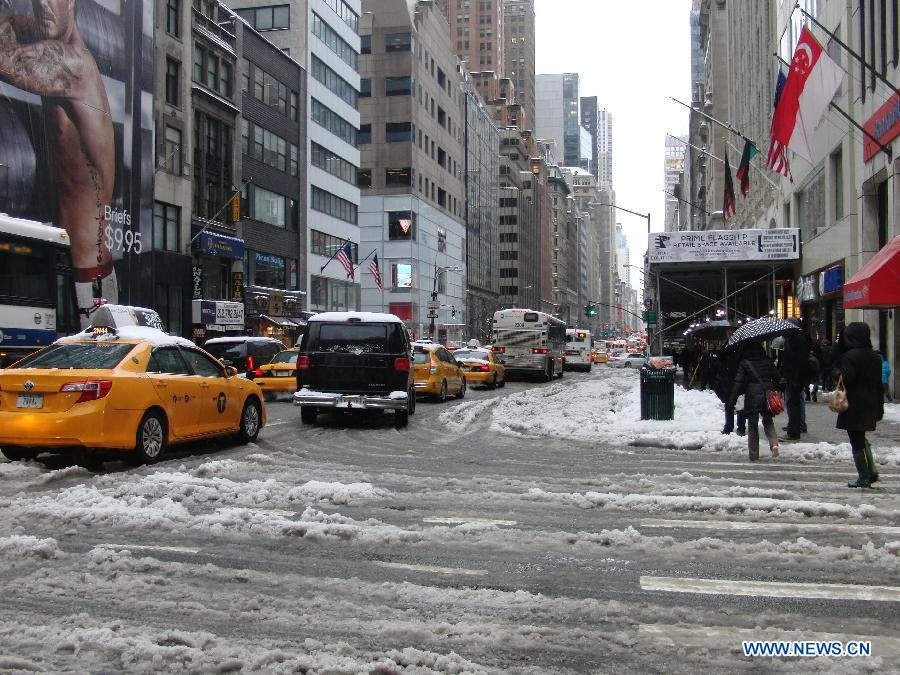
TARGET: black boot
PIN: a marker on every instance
(862, 469)
(870, 463)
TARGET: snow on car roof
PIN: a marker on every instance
(368, 317)
(130, 334)
(240, 338)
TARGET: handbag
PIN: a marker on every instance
(774, 400)
(839, 402)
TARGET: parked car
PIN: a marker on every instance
(480, 366)
(352, 361)
(245, 353)
(279, 375)
(128, 388)
(627, 360)
(436, 372)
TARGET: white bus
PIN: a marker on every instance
(530, 342)
(578, 349)
(37, 298)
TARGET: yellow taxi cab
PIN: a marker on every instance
(480, 366)
(436, 372)
(123, 384)
(279, 375)
(599, 356)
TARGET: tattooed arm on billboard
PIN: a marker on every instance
(46, 56)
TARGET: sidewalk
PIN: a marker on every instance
(820, 422)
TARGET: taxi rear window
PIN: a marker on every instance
(421, 356)
(99, 356)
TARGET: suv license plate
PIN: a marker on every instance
(350, 400)
(30, 401)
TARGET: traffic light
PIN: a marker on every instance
(590, 310)
(453, 313)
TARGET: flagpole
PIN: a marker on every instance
(334, 255)
(726, 126)
(359, 264)
(696, 206)
(719, 159)
(886, 150)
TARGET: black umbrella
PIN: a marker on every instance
(759, 330)
(716, 328)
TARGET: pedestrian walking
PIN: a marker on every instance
(859, 368)
(886, 377)
(728, 365)
(826, 352)
(794, 368)
(814, 372)
(756, 374)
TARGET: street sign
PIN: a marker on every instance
(432, 315)
(434, 304)
(650, 317)
(648, 304)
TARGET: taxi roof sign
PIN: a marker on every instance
(119, 316)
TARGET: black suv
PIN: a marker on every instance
(245, 353)
(355, 361)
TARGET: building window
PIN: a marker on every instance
(212, 71)
(268, 207)
(274, 93)
(168, 304)
(276, 17)
(837, 181)
(398, 42)
(398, 132)
(398, 86)
(166, 219)
(442, 239)
(334, 82)
(332, 205)
(328, 161)
(328, 245)
(173, 78)
(402, 275)
(365, 44)
(172, 150)
(335, 42)
(212, 166)
(395, 177)
(269, 148)
(330, 120)
(364, 178)
(347, 15)
(365, 87)
(173, 17)
(365, 134)
(401, 225)
(271, 271)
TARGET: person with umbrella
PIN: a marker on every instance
(859, 367)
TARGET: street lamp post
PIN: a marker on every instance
(432, 313)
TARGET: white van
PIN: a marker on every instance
(578, 349)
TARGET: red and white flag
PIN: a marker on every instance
(811, 84)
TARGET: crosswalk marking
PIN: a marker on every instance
(774, 589)
(475, 521)
(430, 568)
(149, 547)
(769, 525)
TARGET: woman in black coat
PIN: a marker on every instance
(860, 366)
(755, 375)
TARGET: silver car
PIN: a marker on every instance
(627, 360)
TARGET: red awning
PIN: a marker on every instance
(877, 283)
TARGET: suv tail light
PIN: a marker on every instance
(401, 364)
(258, 372)
(303, 362)
(90, 390)
(540, 350)
(250, 364)
(500, 350)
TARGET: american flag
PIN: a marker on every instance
(777, 156)
(345, 257)
(373, 268)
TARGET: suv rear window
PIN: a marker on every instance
(100, 356)
(285, 357)
(368, 338)
(227, 350)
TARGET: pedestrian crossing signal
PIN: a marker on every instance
(590, 310)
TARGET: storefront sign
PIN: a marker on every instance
(237, 286)
(219, 245)
(196, 282)
(883, 125)
(724, 245)
(217, 312)
(831, 280)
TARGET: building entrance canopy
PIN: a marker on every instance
(877, 283)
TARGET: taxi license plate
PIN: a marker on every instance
(30, 401)
(282, 373)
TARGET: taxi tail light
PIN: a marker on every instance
(90, 391)
(303, 362)
(540, 350)
(499, 350)
(485, 369)
(434, 368)
(258, 372)
(401, 365)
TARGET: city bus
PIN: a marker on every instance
(578, 349)
(37, 293)
(530, 342)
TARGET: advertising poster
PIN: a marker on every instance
(724, 245)
(76, 133)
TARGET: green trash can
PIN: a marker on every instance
(657, 393)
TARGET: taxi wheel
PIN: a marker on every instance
(502, 383)
(493, 384)
(442, 397)
(18, 454)
(151, 438)
(250, 420)
(462, 389)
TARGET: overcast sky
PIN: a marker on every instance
(632, 56)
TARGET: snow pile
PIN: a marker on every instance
(463, 416)
(892, 413)
(24, 546)
(339, 493)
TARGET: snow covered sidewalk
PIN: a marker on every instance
(604, 408)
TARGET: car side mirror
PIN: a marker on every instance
(230, 371)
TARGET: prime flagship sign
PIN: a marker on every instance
(724, 245)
